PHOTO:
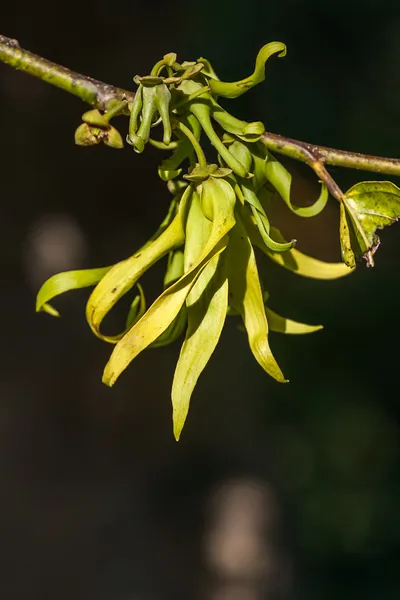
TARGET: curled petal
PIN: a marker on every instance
(261, 219)
(284, 325)
(65, 282)
(249, 132)
(125, 274)
(245, 297)
(201, 109)
(233, 90)
(281, 179)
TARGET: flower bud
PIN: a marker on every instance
(113, 138)
(86, 135)
(95, 118)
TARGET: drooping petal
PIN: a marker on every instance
(64, 282)
(177, 327)
(261, 219)
(207, 305)
(123, 276)
(307, 266)
(281, 179)
(200, 340)
(174, 330)
(284, 325)
(246, 297)
(164, 310)
(296, 261)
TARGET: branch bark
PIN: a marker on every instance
(104, 96)
(94, 92)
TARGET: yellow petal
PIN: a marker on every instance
(284, 325)
(297, 261)
(164, 310)
(64, 282)
(245, 296)
(307, 266)
(125, 274)
(207, 304)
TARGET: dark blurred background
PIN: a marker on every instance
(274, 492)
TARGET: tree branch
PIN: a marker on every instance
(104, 96)
(310, 153)
(92, 91)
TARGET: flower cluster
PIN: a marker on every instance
(217, 217)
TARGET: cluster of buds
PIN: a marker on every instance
(217, 217)
(95, 129)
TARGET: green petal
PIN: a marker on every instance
(245, 296)
(65, 282)
(170, 167)
(137, 309)
(281, 179)
(135, 110)
(261, 219)
(284, 325)
(208, 69)
(249, 132)
(207, 305)
(233, 90)
(201, 109)
(162, 101)
(198, 230)
(297, 261)
(307, 266)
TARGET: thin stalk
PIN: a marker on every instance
(201, 159)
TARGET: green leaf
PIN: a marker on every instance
(65, 282)
(368, 206)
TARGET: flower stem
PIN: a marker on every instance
(195, 143)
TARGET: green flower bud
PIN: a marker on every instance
(162, 103)
(86, 135)
(113, 138)
(242, 154)
(95, 118)
(170, 59)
